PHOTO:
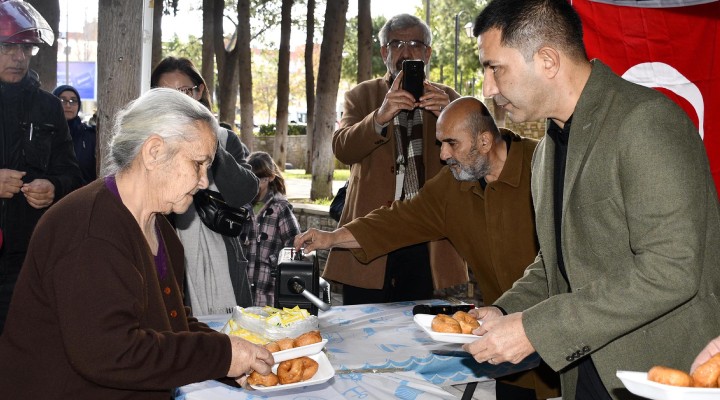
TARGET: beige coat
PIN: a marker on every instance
(372, 185)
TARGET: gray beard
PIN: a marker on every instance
(479, 169)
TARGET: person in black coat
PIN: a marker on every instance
(37, 162)
(83, 135)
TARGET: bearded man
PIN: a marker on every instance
(480, 202)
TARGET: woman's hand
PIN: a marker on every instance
(248, 357)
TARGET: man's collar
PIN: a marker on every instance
(512, 169)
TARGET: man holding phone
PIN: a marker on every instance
(387, 136)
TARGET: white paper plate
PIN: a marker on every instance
(425, 322)
(638, 383)
(324, 373)
(301, 351)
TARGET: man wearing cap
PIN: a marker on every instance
(37, 161)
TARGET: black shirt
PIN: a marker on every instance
(589, 384)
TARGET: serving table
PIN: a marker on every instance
(377, 352)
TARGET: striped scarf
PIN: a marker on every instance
(409, 139)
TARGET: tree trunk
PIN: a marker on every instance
(227, 70)
(244, 70)
(45, 62)
(283, 86)
(327, 89)
(157, 51)
(119, 54)
(365, 41)
(309, 83)
(207, 69)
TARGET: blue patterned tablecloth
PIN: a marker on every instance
(374, 336)
(384, 336)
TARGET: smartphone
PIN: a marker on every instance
(413, 77)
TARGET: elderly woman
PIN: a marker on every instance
(98, 311)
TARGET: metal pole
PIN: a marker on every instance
(457, 39)
(146, 53)
(427, 21)
(67, 43)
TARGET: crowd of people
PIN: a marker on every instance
(586, 249)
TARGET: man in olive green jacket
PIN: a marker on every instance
(626, 212)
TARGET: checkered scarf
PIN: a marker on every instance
(409, 138)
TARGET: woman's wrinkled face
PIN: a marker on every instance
(186, 171)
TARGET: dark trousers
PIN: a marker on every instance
(506, 391)
(589, 384)
(407, 277)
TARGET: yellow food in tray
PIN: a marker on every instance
(286, 316)
(235, 330)
(270, 323)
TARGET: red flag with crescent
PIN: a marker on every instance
(670, 45)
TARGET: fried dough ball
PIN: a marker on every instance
(262, 380)
(467, 322)
(445, 324)
(669, 376)
(707, 374)
(285, 343)
(308, 338)
(272, 347)
(310, 367)
(290, 371)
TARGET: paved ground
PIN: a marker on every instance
(300, 188)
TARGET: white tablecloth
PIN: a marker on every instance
(373, 336)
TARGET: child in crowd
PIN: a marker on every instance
(272, 226)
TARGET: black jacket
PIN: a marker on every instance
(84, 140)
(33, 138)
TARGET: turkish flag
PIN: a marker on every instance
(669, 45)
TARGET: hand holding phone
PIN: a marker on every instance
(413, 77)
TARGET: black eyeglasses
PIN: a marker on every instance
(69, 101)
(412, 44)
(27, 49)
(188, 90)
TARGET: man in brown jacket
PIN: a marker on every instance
(388, 139)
(481, 202)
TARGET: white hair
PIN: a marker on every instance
(161, 111)
(401, 22)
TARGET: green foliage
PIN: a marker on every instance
(266, 130)
(192, 49)
(442, 62)
(296, 130)
(350, 50)
(442, 24)
(293, 130)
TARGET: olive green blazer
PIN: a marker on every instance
(640, 239)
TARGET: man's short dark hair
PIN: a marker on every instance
(528, 25)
